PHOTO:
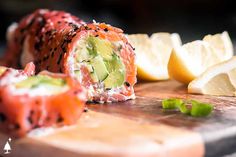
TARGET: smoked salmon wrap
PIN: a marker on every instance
(32, 101)
(97, 54)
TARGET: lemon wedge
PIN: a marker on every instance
(152, 54)
(219, 79)
(192, 59)
(221, 43)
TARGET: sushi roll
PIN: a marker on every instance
(29, 102)
(10, 75)
(25, 39)
(97, 54)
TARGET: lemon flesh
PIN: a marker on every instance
(192, 59)
(152, 54)
(219, 79)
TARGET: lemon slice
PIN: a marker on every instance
(221, 43)
(152, 54)
(192, 59)
(219, 79)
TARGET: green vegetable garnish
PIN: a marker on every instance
(200, 109)
(196, 109)
(183, 108)
(171, 103)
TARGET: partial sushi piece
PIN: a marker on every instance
(38, 101)
(10, 75)
(97, 54)
(35, 35)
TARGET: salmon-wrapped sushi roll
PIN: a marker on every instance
(28, 38)
(10, 75)
(37, 101)
(97, 54)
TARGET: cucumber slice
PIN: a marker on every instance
(99, 68)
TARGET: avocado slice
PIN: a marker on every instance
(115, 79)
(34, 81)
(101, 46)
(117, 72)
(114, 64)
(94, 77)
(99, 68)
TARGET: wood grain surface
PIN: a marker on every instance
(139, 128)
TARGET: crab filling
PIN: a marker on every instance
(101, 59)
(41, 85)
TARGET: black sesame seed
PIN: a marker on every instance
(59, 59)
(52, 54)
(2, 117)
(16, 126)
(48, 33)
(73, 35)
(60, 70)
(74, 26)
(64, 49)
(45, 58)
(87, 28)
(37, 46)
(68, 40)
(127, 84)
(96, 35)
(22, 30)
(42, 22)
(30, 120)
(59, 119)
(106, 30)
(85, 109)
(30, 24)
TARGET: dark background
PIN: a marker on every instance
(192, 19)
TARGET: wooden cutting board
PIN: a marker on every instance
(138, 128)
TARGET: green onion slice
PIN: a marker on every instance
(171, 103)
(197, 109)
(200, 109)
